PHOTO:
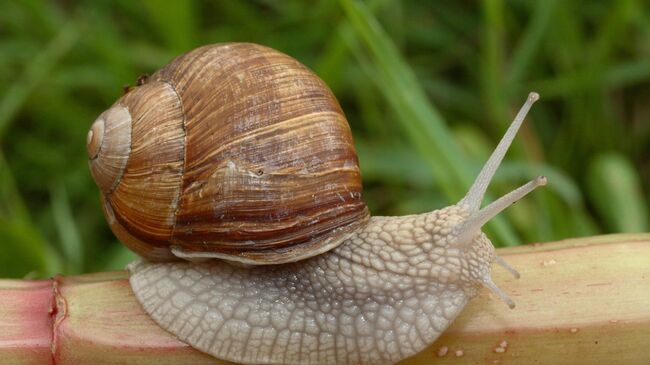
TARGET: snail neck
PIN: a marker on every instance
(423, 246)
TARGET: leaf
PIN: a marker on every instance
(175, 21)
(117, 257)
(36, 70)
(615, 189)
(23, 253)
(67, 229)
(417, 116)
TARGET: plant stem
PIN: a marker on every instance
(579, 301)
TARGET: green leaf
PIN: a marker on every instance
(116, 258)
(420, 120)
(23, 253)
(68, 231)
(11, 202)
(384, 163)
(175, 21)
(422, 123)
(36, 70)
(615, 189)
(523, 55)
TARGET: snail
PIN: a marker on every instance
(231, 171)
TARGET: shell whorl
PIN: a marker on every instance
(109, 146)
(141, 206)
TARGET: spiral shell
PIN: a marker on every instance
(232, 151)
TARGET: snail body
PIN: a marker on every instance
(232, 172)
(383, 295)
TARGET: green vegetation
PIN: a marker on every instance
(428, 90)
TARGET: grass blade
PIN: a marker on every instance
(531, 41)
(38, 69)
(614, 187)
(67, 229)
(419, 119)
(175, 21)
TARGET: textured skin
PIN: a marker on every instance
(385, 294)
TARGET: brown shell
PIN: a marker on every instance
(236, 151)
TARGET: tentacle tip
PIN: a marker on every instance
(541, 181)
(507, 266)
(533, 96)
(487, 281)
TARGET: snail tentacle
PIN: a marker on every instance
(474, 196)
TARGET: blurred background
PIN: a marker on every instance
(428, 88)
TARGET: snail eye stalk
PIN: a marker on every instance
(475, 194)
(471, 227)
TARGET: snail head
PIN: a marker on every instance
(466, 233)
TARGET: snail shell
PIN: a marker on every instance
(234, 151)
